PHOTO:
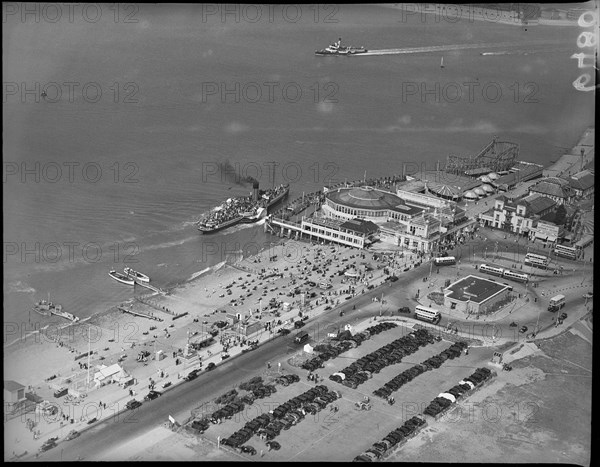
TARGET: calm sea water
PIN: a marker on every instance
(157, 155)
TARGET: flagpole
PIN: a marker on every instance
(89, 356)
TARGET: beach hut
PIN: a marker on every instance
(469, 195)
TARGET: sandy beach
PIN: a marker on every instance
(114, 333)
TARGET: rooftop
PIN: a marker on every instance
(364, 198)
(360, 225)
(582, 181)
(12, 386)
(552, 186)
(474, 289)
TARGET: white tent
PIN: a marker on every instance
(470, 195)
(479, 192)
(493, 176)
(351, 273)
(308, 348)
(487, 188)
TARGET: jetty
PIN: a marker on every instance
(137, 313)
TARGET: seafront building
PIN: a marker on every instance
(420, 211)
(476, 295)
(517, 215)
(399, 223)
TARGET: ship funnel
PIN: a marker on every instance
(255, 191)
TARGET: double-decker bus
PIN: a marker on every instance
(427, 314)
(515, 276)
(444, 260)
(538, 261)
(494, 270)
(566, 251)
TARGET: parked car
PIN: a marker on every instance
(133, 404)
(588, 295)
(152, 395)
(211, 366)
(283, 331)
(51, 443)
(273, 445)
(248, 450)
(523, 329)
(72, 435)
(563, 316)
(192, 375)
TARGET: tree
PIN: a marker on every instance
(560, 216)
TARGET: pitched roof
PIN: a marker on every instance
(583, 182)
(538, 203)
(549, 187)
(12, 386)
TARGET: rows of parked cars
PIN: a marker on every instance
(346, 341)
(362, 369)
(446, 399)
(455, 350)
(269, 425)
(410, 428)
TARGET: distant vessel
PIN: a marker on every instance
(338, 49)
(46, 307)
(136, 275)
(121, 277)
(242, 209)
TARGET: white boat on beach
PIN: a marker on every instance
(136, 275)
(124, 279)
(66, 315)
